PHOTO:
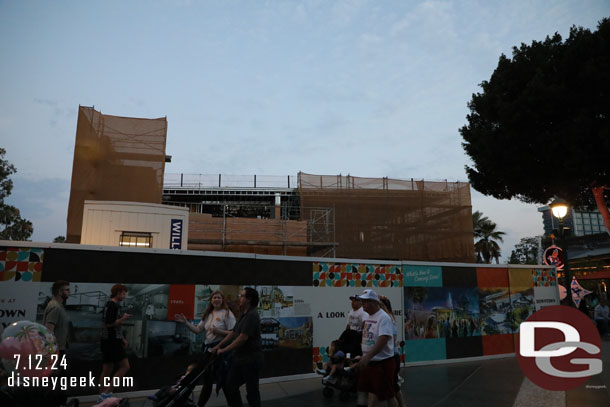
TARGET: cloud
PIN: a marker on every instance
(429, 20)
(60, 112)
(344, 12)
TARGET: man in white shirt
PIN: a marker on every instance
(377, 366)
(356, 315)
(600, 315)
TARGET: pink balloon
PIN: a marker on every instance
(34, 345)
(9, 347)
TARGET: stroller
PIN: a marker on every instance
(182, 395)
(345, 379)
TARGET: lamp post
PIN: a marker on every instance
(559, 208)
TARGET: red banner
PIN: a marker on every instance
(181, 301)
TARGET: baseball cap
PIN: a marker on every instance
(368, 295)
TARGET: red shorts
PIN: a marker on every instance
(379, 378)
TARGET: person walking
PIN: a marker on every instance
(601, 313)
(356, 315)
(113, 344)
(377, 366)
(386, 305)
(245, 342)
(217, 321)
(55, 317)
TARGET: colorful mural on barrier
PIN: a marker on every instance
(330, 312)
(20, 274)
(20, 264)
(457, 312)
(446, 312)
(356, 275)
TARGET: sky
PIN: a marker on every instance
(367, 88)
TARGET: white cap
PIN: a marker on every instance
(368, 295)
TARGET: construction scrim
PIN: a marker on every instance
(247, 235)
(383, 218)
(115, 159)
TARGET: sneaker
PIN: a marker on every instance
(400, 381)
(103, 397)
(321, 371)
(347, 368)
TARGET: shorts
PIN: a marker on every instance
(112, 350)
(378, 378)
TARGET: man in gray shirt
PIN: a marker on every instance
(54, 317)
(248, 356)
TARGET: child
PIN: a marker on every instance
(337, 361)
(167, 391)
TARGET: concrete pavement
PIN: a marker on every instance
(498, 383)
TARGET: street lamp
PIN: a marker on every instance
(559, 208)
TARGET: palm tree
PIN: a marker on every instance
(486, 247)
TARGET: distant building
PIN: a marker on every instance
(581, 222)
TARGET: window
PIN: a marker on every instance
(136, 239)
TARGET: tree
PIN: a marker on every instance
(59, 239)
(541, 126)
(478, 223)
(486, 247)
(525, 252)
(12, 226)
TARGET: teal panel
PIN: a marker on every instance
(418, 350)
(23, 256)
(423, 276)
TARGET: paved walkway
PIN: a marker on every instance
(497, 383)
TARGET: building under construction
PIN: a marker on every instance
(123, 159)
(322, 215)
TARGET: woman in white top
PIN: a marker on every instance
(217, 321)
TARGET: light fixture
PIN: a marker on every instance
(559, 207)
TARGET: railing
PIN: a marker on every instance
(228, 181)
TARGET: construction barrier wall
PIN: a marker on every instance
(115, 159)
(446, 311)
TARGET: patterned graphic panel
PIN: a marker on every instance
(356, 275)
(20, 264)
(544, 277)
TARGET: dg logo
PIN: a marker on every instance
(559, 348)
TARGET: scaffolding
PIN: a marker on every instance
(115, 159)
(276, 234)
(393, 219)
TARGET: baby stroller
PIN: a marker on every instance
(182, 396)
(345, 379)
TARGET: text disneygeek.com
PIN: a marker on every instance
(63, 383)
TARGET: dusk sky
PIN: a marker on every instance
(367, 88)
